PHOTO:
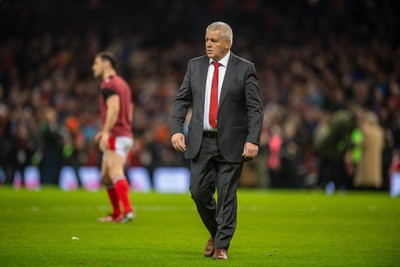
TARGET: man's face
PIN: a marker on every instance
(98, 67)
(216, 47)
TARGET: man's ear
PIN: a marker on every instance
(228, 44)
(106, 63)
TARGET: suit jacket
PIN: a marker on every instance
(240, 110)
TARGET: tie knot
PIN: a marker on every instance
(216, 64)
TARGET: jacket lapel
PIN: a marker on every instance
(229, 76)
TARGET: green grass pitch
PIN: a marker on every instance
(275, 228)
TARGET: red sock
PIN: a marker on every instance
(112, 194)
(122, 189)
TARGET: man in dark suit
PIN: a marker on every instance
(224, 131)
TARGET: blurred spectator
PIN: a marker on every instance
(5, 144)
(331, 147)
(274, 156)
(291, 156)
(51, 148)
(369, 170)
(21, 152)
(74, 144)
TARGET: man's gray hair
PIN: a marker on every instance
(224, 28)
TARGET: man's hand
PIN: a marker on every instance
(178, 142)
(250, 150)
(102, 139)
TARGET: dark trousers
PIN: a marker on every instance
(211, 171)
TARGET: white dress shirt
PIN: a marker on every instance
(221, 75)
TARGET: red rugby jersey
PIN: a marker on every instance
(123, 125)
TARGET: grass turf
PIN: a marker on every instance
(275, 228)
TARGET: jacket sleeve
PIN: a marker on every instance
(182, 103)
(254, 106)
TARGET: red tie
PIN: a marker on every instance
(212, 115)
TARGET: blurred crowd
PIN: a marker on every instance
(329, 74)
